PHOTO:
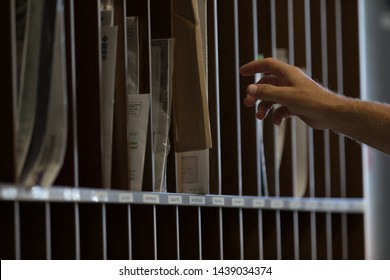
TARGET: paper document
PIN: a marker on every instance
(162, 68)
(109, 43)
(191, 122)
(132, 55)
(138, 117)
(193, 172)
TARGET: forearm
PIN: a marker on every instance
(366, 122)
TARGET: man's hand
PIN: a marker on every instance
(290, 87)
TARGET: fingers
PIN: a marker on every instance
(263, 109)
(269, 79)
(268, 92)
(280, 114)
(267, 65)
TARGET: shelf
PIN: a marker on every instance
(86, 195)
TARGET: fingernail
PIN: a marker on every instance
(252, 90)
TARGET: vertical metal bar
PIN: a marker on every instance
(217, 103)
(329, 243)
(238, 112)
(77, 230)
(340, 88)
(374, 41)
(276, 168)
(241, 234)
(104, 231)
(344, 232)
(129, 231)
(325, 82)
(273, 28)
(259, 130)
(313, 235)
(177, 233)
(259, 126)
(309, 73)
(217, 108)
(261, 236)
(48, 230)
(17, 230)
(74, 125)
(200, 232)
(73, 90)
(238, 101)
(291, 57)
(221, 233)
(310, 132)
(155, 231)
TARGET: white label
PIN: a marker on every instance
(327, 206)
(343, 207)
(295, 205)
(258, 203)
(71, 194)
(39, 193)
(218, 201)
(151, 198)
(99, 196)
(238, 202)
(277, 204)
(9, 193)
(175, 199)
(197, 200)
(311, 205)
(125, 197)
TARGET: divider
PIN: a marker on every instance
(88, 86)
(32, 231)
(63, 231)
(8, 97)
(117, 232)
(120, 178)
(141, 9)
(230, 102)
(91, 231)
(68, 175)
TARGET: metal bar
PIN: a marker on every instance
(259, 126)
(217, 139)
(77, 230)
(325, 82)
(177, 233)
(296, 235)
(17, 230)
(344, 232)
(73, 90)
(241, 234)
(200, 233)
(310, 131)
(129, 231)
(291, 57)
(238, 101)
(104, 231)
(329, 243)
(276, 168)
(221, 233)
(340, 88)
(48, 230)
(261, 235)
(155, 232)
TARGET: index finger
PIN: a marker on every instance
(267, 65)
